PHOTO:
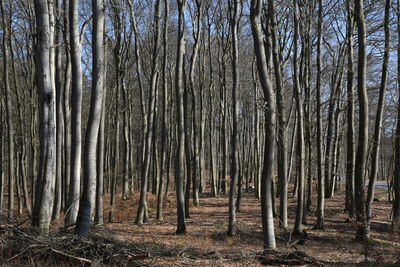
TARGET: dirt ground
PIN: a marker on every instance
(206, 243)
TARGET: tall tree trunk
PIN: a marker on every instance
(164, 137)
(76, 114)
(101, 146)
(140, 217)
(10, 124)
(266, 182)
(59, 112)
(396, 173)
(235, 17)
(180, 150)
(321, 179)
(197, 23)
(300, 129)
(281, 140)
(350, 197)
(90, 159)
(362, 149)
(378, 119)
(41, 216)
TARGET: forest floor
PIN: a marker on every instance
(206, 243)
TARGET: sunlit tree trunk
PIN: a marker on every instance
(76, 114)
(91, 137)
(266, 180)
(41, 216)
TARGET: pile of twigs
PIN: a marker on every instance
(22, 245)
(290, 257)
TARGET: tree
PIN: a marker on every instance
(164, 137)
(266, 180)
(321, 180)
(362, 148)
(10, 123)
(76, 114)
(179, 91)
(235, 16)
(90, 156)
(350, 197)
(378, 120)
(281, 140)
(396, 173)
(300, 127)
(42, 212)
(140, 217)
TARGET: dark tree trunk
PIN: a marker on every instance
(362, 149)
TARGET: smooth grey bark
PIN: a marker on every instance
(282, 139)
(119, 79)
(9, 118)
(41, 216)
(126, 143)
(362, 148)
(188, 145)
(98, 219)
(235, 20)
(300, 128)
(197, 30)
(211, 88)
(140, 217)
(350, 159)
(59, 111)
(179, 91)
(90, 156)
(378, 119)
(321, 179)
(266, 180)
(67, 109)
(76, 114)
(164, 137)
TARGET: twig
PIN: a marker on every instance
(71, 256)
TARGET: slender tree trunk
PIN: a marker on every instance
(90, 159)
(362, 149)
(196, 163)
(350, 197)
(180, 150)
(281, 141)
(140, 217)
(59, 112)
(76, 114)
(98, 219)
(300, 130)
(396, 173)
(235, 17)
(10, 124)
(321, 179)
(379, 116)
(164, 137)
(266, 182)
